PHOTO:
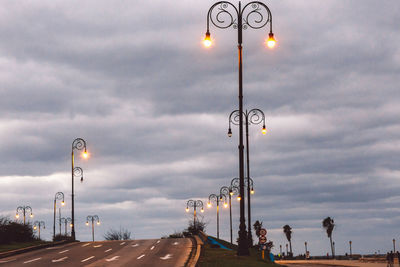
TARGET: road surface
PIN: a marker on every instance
(151, 252)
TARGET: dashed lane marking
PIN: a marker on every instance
(61, 252)
(108, 250)
(152, 248)
(113, 258)
(135, 245)
(166, 257)
(87, 259)
(175, 243)
(87, 244)
(62, 259)
(122, 243)
(141, 256)
(97, 246)
(32, 260)
(158, 241)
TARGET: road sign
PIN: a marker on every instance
(263, 240)
(263, 231)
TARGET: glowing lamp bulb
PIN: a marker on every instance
(98, 223)
(209, 205)
(271, 40)
(62, 203)
(225, 205)
(231, 193)
(31, 215)
(264, 130)
(71, 225)
(87, 223)
(207, 40)
(202, 210)
(187, 209)
(229, 132)
(34, 228)
(252, 191)
(17, 216)
(85, 155)
(239, 198)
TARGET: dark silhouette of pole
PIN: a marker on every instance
(77, 144)
(24, 209)
(239, 19)
(58, 196)
(92, 218)
(305, 245)
(194, 204)
(394, 245)
(216, 199)
(229, 192)
(351, 253)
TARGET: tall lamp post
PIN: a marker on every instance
(230, 191)
(39, 224)
(24, 209)
(194, 204)
(58, 196)
(66, 221)
(217, 199)
(92, 218)
(305, 245)
(254, 116)
(77, 144)
(394, 245)
(351, 252)
(255, 15)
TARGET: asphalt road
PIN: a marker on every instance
(151, 252)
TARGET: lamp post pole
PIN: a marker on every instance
(394, 245)
(305, 245)
(216, 199)
(39, 224)
(194, 204)
(77, 144)
(254, 116)
(92, 218)
(230, 191)
(66, 221)
(58, 196)
(351, 253)
(250, 16)
(23, 209)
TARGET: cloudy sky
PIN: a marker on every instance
(133, 79)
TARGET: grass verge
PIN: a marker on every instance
(14, 246)
(214, 256)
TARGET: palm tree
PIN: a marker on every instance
(288, 232)
(329, 224)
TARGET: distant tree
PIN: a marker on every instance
(288, 232)
(199, 225)
(328, 224)
(176, 235)
(122, 234)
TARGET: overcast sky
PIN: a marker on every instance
(133, 79)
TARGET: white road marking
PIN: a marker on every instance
(62, 259)
(176, 243)
(122, 243)
(108, 250)
(55, 247)
(166, 257)
(141, 256)
(158, 241)
(61, 252)
(136, 245)
(87, 259)
(32, 260)
(113, 258)
(97, 246)
(152, 248)
(87, 244)
(7, 260)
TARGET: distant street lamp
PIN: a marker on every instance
(217, 199)
(280, 249)
(255, 15)
(351, 254)
(39, 224)
(58, 196)
(92, 218)
(254, 116)
(394, 245)
(305, 245)
(194, 204)
(78, 144)
(24, 209)
(66, 221)
(229, 191)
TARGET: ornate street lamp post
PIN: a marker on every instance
(24, 209)
(58, 196)
(39, 224)
(217, 199)
(92, 218)
(78, 144)
(229, 192)
(66, 221)
(253, 15)
(194, 204)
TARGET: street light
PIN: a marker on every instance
(23, 209)
(253, 15)
(39, 224)
(58, 196)
(351, 253)
(92, 218)
(229, 191)
(253, 117)
(66, 221)
(78, 144)
(216, 199)
(305, 245)
(194, 204)
(236, 182)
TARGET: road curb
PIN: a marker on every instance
(196, 250)
(23, 250)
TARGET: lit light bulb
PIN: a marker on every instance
(239, 197)
(229, 132)
(70, 225)
(34, 228)
(62, 203)
(17, 216)
(209, 205)
(252, 191)
(225, 205)
(271, 40)
(87, 223)
(207, 40)
(187, 209)
(202, 210)
(231, 193)
(98, 223)
(85, 155)
(31, 215)
(264, 130)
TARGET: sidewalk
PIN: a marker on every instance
(353, 263)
